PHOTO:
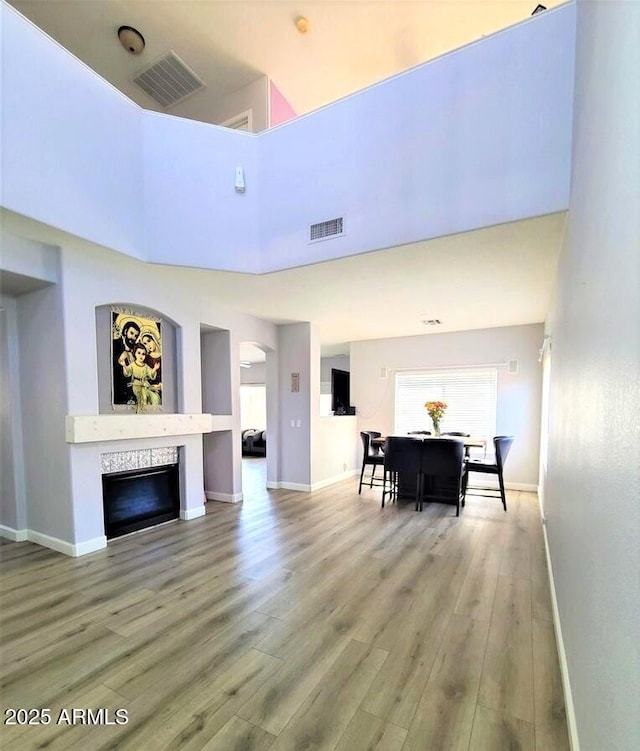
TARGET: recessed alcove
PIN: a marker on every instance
(106, 362)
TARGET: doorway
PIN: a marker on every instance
(253, 420)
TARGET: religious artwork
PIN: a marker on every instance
(136, 349)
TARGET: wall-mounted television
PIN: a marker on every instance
(340, 392)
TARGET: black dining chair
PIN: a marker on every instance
(443, 471)
(502, 446)
(401, 466)
(372, 456)
(458, 434)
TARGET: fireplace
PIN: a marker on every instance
(140, 498)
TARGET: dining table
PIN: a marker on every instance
(469, 441)
(407, 482)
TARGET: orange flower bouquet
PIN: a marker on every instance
(436, 412)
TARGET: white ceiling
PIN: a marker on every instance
(498, 276)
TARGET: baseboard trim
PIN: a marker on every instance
(295, 486)
(15, 535)
(334, 480)
(526, 486)
(90, 546)
(192, 513)
(73, 550)
(303, 488)
(212, 495)
(572, 727)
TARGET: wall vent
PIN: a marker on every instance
(168, 80)
(326, 230)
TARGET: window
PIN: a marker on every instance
(469, 392)
(243, 121)
(253, 407)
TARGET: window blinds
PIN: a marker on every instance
(469, 393)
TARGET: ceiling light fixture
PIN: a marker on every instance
(431, 321)
(131, 39)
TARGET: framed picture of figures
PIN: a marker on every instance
(136, 356)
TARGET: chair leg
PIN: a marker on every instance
(373, 471)
(503, 495)
(384, 485)
(361, 476)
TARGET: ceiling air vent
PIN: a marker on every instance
(168, 80)
(326, 230)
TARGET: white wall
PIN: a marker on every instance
(36, 342)
(57, 329)
(334, 449)
(35, 260)
(40, 264)
(255, 374)
(298, 353)
(13, 516)
(216, 372)
(593, 479)
(274, 420)
(518, 406)
(216, 398)
(44, 404)
(80, 156)
(478, 137)
(193, 215)
(72, 144)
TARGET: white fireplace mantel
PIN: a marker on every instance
(96, 428)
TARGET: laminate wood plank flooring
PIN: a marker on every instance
(292, 621)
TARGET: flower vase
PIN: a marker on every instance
(436, 428)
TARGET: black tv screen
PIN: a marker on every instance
(340, 397)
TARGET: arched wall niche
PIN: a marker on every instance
(114, 396)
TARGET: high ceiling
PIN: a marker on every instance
(350, 44)
(497, 276)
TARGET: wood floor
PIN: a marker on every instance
(291, 621)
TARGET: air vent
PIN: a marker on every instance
(326, 230)
(168, 80)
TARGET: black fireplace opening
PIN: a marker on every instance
(140, 498)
